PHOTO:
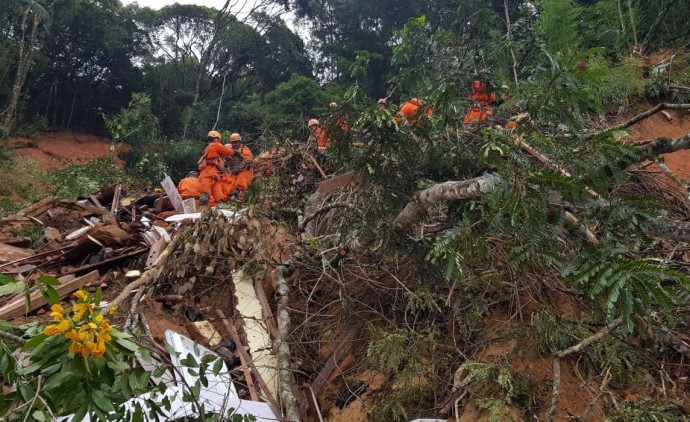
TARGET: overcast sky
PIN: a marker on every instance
(157, 4)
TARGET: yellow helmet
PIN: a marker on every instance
(313, 122)
(235, 137)
(214, 134)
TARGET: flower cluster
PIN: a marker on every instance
(86, 327)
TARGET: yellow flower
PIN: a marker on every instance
(112, 310)
(99, 318)
(80, 309)
(72, 335)
(80, 294)
(98, 350)
(64, 325)
(74, 348)
(57, 316)
(57, 308)
(51, 330)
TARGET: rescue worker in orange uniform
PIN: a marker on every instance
(211, 164)
(411, 111)
(239, 168)
(318, 135)
(190, 186)
(481, 110)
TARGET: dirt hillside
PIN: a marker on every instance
(60, 149)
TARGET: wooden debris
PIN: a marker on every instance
(10, 253)
(16, 306)
(334, 360)
(133, 274)
(173, 194)
(246, 358)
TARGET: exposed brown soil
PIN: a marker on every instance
(60, 149)
(658, 125)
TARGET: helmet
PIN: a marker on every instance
(382, 101)
(235, 137)
(333, 105)
(194, 174)
(478, 86)
(312, 122)
(417, 102)
(214, 134)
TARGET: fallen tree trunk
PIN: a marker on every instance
(287, 398)
(663, 145)
(447, 191)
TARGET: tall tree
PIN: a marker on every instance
(32, 15)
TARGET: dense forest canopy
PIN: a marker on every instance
(68, 63)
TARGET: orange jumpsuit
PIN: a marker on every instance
(236, 178)
(410, 111)
(321, 137)
(482, 103)
(211, 165)
(189, 187)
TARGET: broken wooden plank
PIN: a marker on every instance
(173, 194)
(116, 200)
(96, 201)
(16, 307)
(154, 252)
(106, 262)
(246, 358)
(188, 206)
(34, 210)
(333, 361)
(78, 233)
(266, 312)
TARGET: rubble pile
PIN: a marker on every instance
(71, 239)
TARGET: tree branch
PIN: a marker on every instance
(447, 191)
(572, 350)
(663, 145)
(640, 117)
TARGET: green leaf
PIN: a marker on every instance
(217, 367)
(101, 401)
(39, 416)
(99, 296)
(80, 414)
(48, 280)
(126, 344)
(34, 342)
(50, 294)
(12, 288)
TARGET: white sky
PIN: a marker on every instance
(240, 8)
(157, 4)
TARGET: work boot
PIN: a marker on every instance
(203, 199)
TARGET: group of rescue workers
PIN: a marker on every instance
(225, 171)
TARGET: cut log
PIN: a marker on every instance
(289, 401)
(17, 306)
